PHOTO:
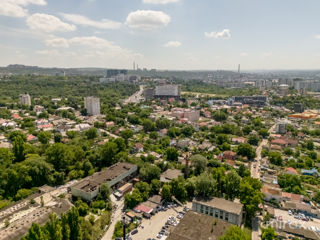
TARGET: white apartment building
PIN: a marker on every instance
(25, 99)
(92, 104)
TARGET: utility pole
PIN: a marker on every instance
(124, 227)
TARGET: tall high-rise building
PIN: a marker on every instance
(92, 104)
(25, 99)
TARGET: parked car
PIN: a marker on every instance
(134, 231)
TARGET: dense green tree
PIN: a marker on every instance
(199, 163)
(57, 137)
(162, 123)
(149, 172)
(172, 154)
(246, 150)
(222, 138)
(144, 188)
(104, 192)
(133, 199)
(126, 134)
(148, 125)
(74, 224)
(250, 196)
(108, 153)
(18, 148)
(178, 189)
(35, 233)
(173, 132)
(133, 119)
(205, 185)
(166, 192)
(187, 131)
(53, 228)
(44, 137)
(232, 185)
(220, 177)
(268, 233)
(263, 132)
(92, 133)
(235, 233)
(6, 158)
(60, 156)
(155, 186)
(253, 140)
(316, 197)
(309, 145)
(290, 183)
(219, 116)
(275, 158)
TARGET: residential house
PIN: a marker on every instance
(271, 193)
(169, 175)
(291, 171)
(229, 155)
(138, 148)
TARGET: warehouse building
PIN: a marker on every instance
(115, 176)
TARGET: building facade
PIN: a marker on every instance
(92, 104)
(114, 176)
(221, 209)
(25, 99)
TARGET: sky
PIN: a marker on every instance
(161, 34)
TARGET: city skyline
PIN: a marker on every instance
(161, 34)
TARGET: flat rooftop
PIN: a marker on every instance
(198, 226)
(90, 183)
(222, 204)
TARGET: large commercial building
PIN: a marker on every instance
(92, 104)
(298, 107)
(250, 100)
(165, 92)
(114, 176)
(220, 208)
(310, 85)
(168, 91)
(25, 99)
(115, 72)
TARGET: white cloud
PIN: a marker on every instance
(26, 2)
(57, 43)
(101, 45)
(224, 34)
(173, 44)
(46, 52)
(147, 20)
(84, 21)
(48, 23)
(266, 54)
(244, 54)
(317, 36)
(15, 8)
(160, 1)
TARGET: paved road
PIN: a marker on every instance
(255, 173)
(135, 98)
(116, 216)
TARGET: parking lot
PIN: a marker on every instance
(151, 227)
(286, 218)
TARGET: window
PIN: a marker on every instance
(221, 215)
(226, 216)
(217, 214)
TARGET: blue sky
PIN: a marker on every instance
(161, 34)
